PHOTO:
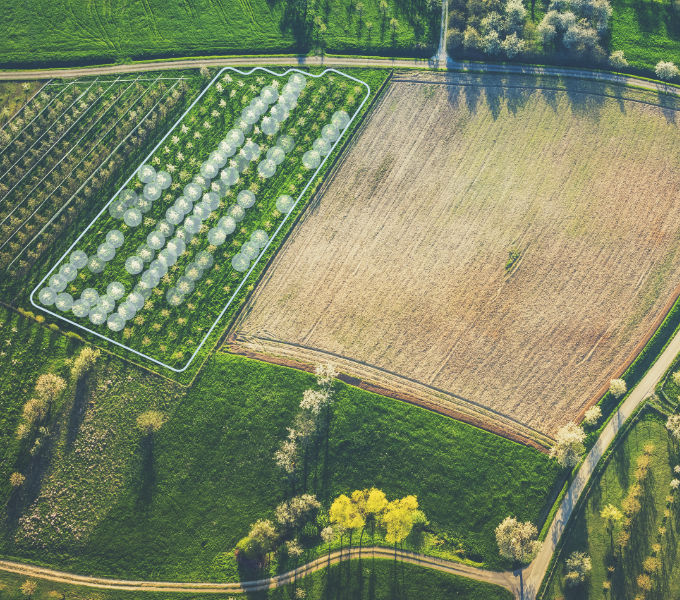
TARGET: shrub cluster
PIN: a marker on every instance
(493, 27)
(576, 27)
(47, 389)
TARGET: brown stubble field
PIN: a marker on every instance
(397, 271)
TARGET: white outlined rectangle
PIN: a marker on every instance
(264, 249)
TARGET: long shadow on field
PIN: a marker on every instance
(40, 343)
(669, 106)
(586, 99)
(77, 413)
(649, 15)
(147, 471)
(583, 102)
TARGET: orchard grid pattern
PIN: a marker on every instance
(20, 214)
(253, 250)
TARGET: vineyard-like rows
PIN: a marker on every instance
(157, 268)
(64, 147)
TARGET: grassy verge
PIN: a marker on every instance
(588, 531)
(370, 579)
(102, 506)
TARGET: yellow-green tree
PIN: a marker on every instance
(370, 503)
(150, 421)
(398, 518)
(345, 515)
(613, 517)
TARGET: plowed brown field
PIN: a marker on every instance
(398, 270)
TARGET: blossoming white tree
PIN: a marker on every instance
(325, 374)
(673, 426)
(516, 540)
(617, 387)
(578, 567)
(568, 447)
(592, 415)
(666, 70)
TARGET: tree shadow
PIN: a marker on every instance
(34, 469)
(649, 16)
(146, 476)
(77, 412)
(669, 106)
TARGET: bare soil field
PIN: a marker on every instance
(397, 272)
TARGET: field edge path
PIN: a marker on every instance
(502, 579)
(345, 61)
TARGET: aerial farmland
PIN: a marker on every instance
(481, 243)
(371, 299)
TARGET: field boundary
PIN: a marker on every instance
(264, 249)
(381, 381)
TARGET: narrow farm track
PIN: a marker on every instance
(503, 579)
(342, 61)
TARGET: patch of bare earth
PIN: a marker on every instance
(398, 271)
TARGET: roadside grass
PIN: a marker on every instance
(647, 31)
(380, 580)
(155, 29)
(101, 506)
(384, 579)
(588, 532)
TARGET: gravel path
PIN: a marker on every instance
(505, 580)
(341, 61)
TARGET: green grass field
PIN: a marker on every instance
(93, 504)
(380, 580)
(647, 31)
(41, 31)
(589, 533)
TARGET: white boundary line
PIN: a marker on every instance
(77, 120)
(44, 108)
(262, 253)
(126, 80)
(65, 205)
(25, 104)
(73, 147)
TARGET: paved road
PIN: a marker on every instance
(535, 573)
(446, 566)
(442, 56)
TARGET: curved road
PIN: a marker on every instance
(536, 571)
(505, 580)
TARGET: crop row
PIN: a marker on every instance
(154, 271)
(47, 193)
